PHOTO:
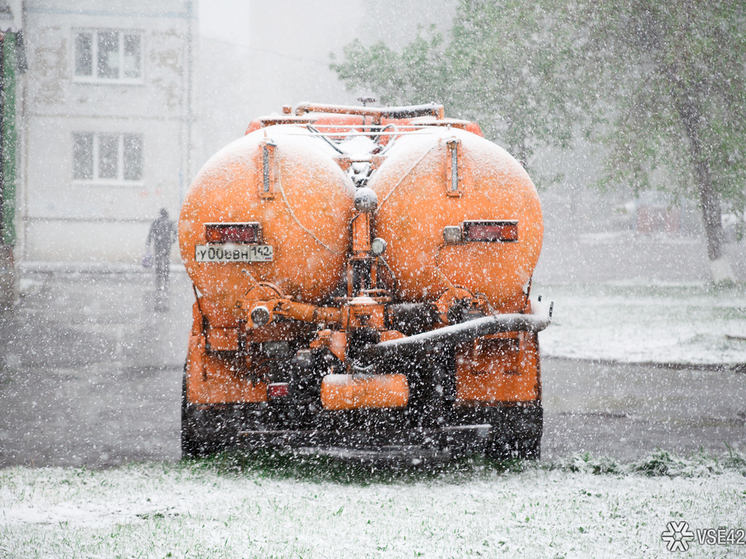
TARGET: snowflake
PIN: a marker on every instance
(677, 536)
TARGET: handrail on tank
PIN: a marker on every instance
(429, 109)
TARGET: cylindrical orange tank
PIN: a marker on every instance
(288, 183)
(420, 194)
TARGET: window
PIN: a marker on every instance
(108, 55)
(107, 158)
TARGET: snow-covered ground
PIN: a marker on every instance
(579, 507)
(636, 322)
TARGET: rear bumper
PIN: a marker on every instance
(414, 446)
(375, 435)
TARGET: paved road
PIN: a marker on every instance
(91, 375)
(626, 411)
(92, 371)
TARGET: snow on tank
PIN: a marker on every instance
(438, 180)
(286, 180)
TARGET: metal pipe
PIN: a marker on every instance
(463, 332)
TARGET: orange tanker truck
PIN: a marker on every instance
(362, 280)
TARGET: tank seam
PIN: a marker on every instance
(405, 175)
(292, 214)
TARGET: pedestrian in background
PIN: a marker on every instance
(162, 234)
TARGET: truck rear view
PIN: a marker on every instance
(362, 280)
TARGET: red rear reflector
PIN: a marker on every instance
(491, 231)
(232, 232)
(278, 390)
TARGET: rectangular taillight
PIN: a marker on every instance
(278, 390)
(504, 231)
(233, 232)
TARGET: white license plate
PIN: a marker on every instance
(233, 253)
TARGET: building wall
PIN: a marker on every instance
(65, 218)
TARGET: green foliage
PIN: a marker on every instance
(675, 73)
(514, 67)
(416, 75)
(508, 66)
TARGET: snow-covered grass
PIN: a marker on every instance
(634, 322)
(228, 507)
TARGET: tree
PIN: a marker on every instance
(508, 66)
(660, 85)
(674, 73)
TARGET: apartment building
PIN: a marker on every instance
(107, 125)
